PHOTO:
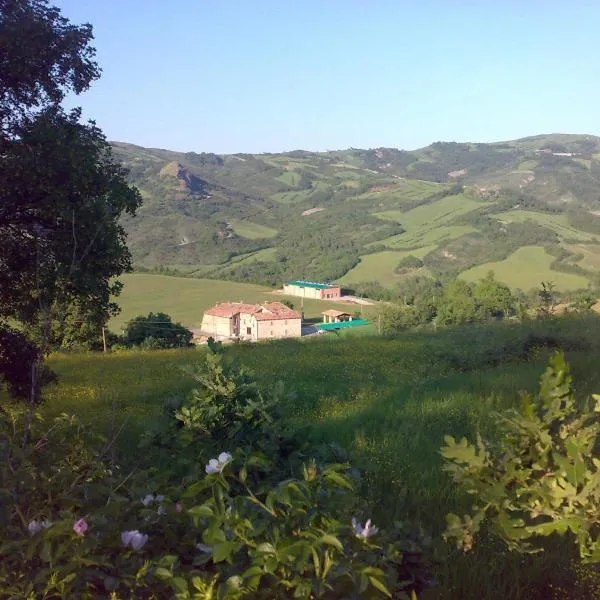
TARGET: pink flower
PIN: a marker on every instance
(179, 507)
(81, 527)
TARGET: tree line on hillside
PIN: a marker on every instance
(422, 301)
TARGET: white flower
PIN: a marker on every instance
(216, 465)
(36, 526)
(148, 499)
(364, 532)
(133, 538)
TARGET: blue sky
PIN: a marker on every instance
(267, 76)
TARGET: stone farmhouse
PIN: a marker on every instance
(312, 289)
(252, 322)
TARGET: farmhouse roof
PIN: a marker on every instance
(268, 311)
(335, 313)
(228, 309)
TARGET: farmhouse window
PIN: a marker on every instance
(248, 330)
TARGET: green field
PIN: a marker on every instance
(186, 299)
(525, 269)
(389, 402)
(426, 237)
(380, 266)
(430, 223)
(290, 178)
(291, 197)
(402, 191)
(591, 255)
(432, 215)
(558, 223)
(252, 231)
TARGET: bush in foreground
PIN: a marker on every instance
(74, 526)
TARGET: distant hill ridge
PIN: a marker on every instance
(351, 214)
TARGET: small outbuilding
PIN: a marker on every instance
(312, 289)
(336, 316)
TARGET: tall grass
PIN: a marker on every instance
(387, 401)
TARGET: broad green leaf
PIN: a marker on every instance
(376, 583)
(201, 510)
(331, 540)
(223, 551)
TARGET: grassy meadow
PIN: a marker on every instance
(185, 299)
(380, 266)
(252, 231)
(557, 223)
(527, 264)
(389, 402)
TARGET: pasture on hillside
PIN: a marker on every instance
(557, 223)
(591, 255)
(185, 299)
(380, 266)
(528, 264)
(252, 231)
(430, 222)
(389, 402)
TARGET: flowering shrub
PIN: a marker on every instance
(73, 526)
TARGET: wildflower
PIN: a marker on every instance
(36, 526)
(179, 507)
(364, 532)
(134, 538)
(149, 499)
(216, 465)
(80, 527)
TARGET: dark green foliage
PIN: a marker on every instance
(544, 478)
(17, 357)
(157, 330)
(61, 192)
(494, 299)
(408, 263)
(547, 299)
(421, 300)
(457, 305)
(584, 220)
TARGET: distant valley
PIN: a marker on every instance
(529, 209)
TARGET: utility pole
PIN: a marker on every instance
(379, 323)
(104, 339)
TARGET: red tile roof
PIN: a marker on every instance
(268, 311)
(335, 313)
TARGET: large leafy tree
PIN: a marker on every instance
(61, 191)
(157, 330)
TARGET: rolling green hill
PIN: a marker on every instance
(352, 215)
